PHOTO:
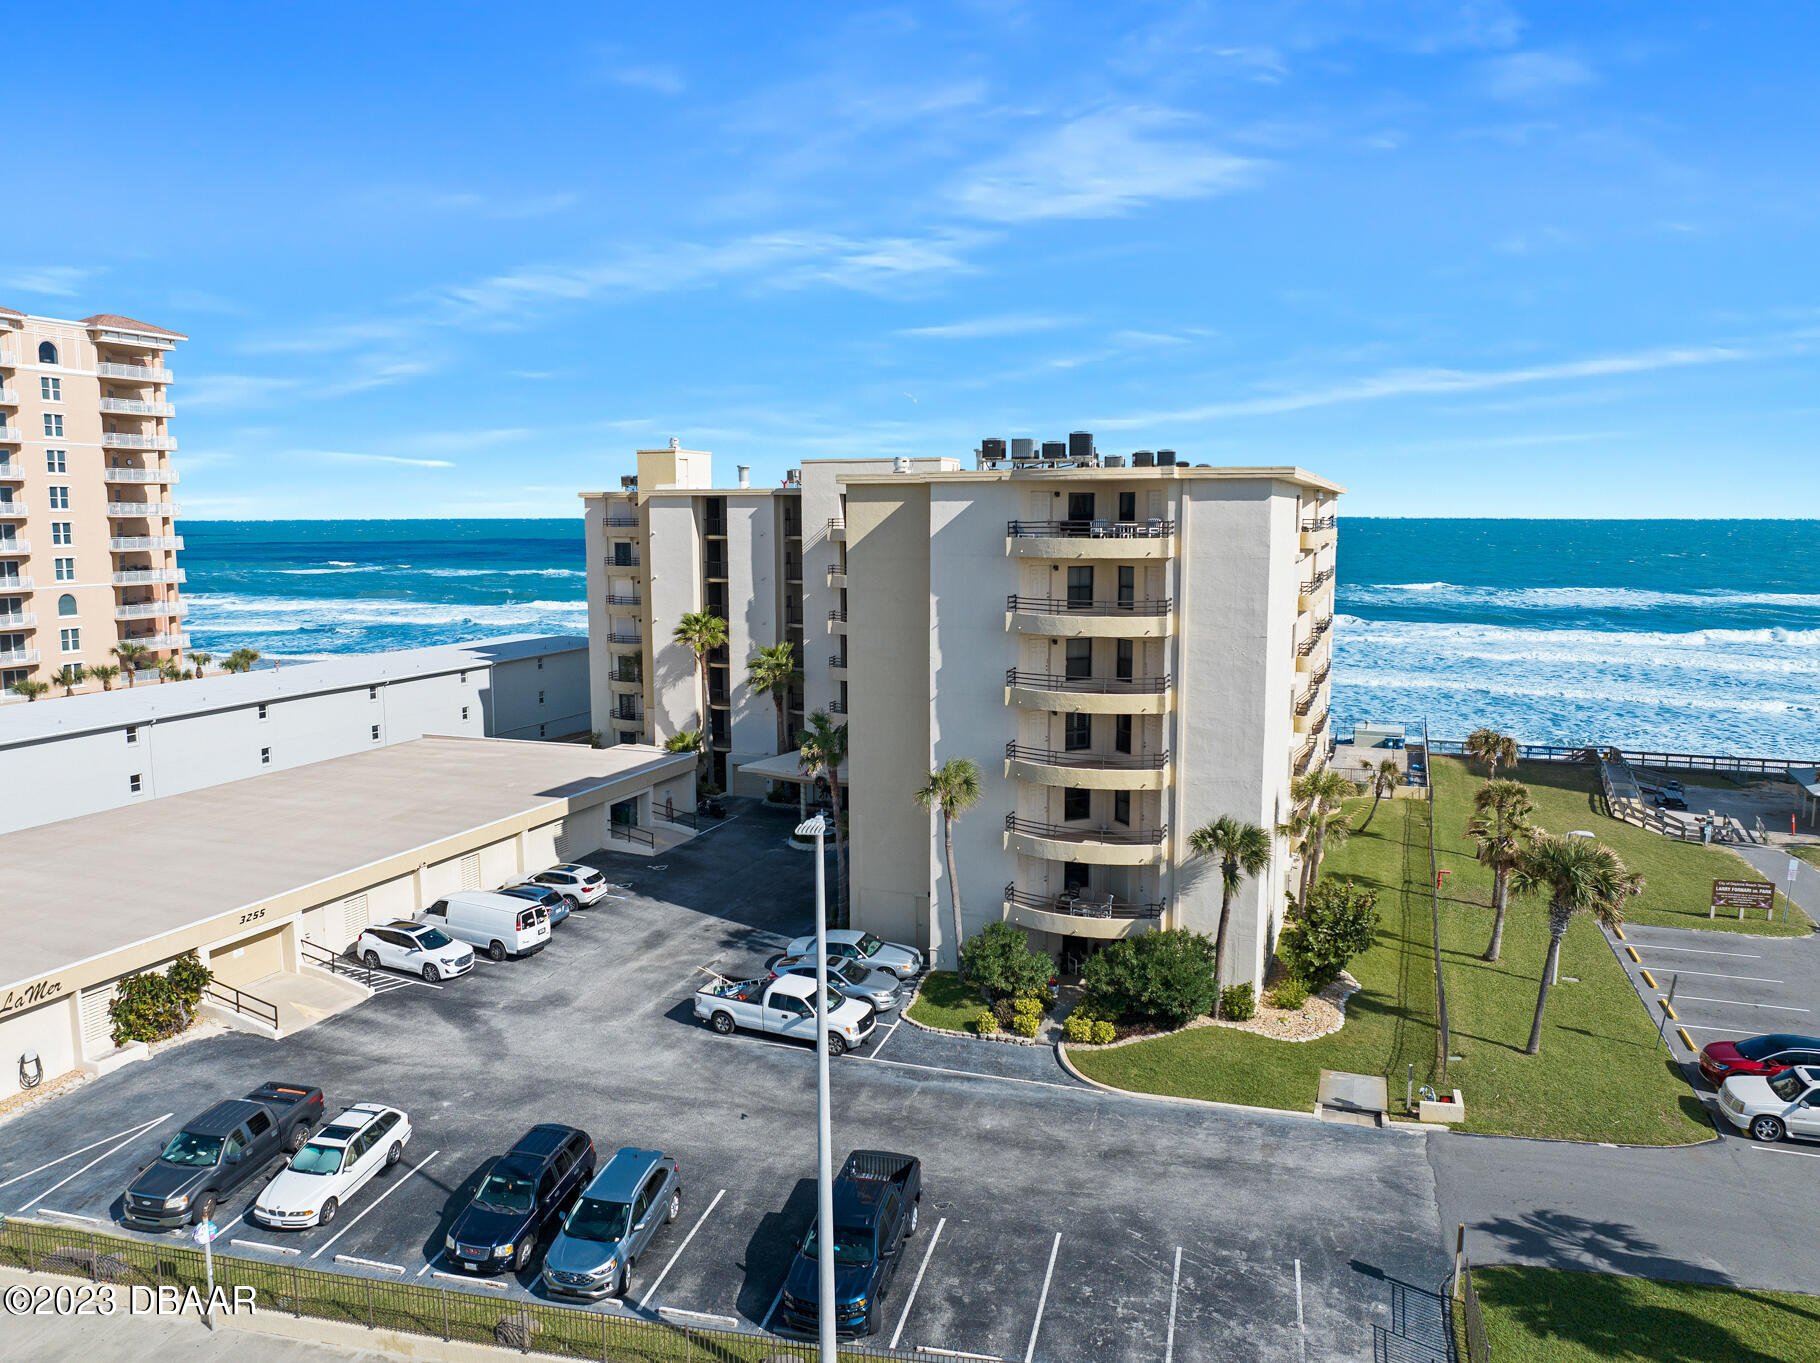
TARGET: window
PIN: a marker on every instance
(1126, 654)
(60, 498)
(132, 784)
(1127, 506)
(1127, 584)
(258, 1124)
(464, 712)
(132, 734)
(53, 424)
(62, 532)
(1080, 586)
(56, 461)
(72, 640)
(1076, 803)
(1077, 732)
(262, 712)
(1121, 733)
(540, 668)
(47, 353)
(1080, 658)
(375, 733)
(463, 678)
(265, 757)
(372, 693)
(1121, 806)
(540, 730)
(66, 604)
(1080, 506)
(625, 737)
(64, 569)
(540, 698)
(51, 390)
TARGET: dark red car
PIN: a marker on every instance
(1720, 1060)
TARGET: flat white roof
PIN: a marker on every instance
(90, 886)
(148, 702)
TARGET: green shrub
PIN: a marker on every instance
(152, 1005)
(1005, 1011)
(1027, 1024)
(985, 1022)
(1289, 993)
(1029, 1005)
(1238, 1001)
(1104, 1033)
(1165, 978)
(1079, 1029)
(1000, 960)
(1337, 924)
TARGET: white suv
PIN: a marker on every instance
(416, 947)
(334, 1165)
(1771, 1106)
(582, 886)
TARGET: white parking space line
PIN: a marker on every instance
(128, 1140)
(658, 1281)
(975, 1074)
(1695, 1027)
(921, 1269)
(1175, 1283)
(131, 1130)
(1711, 975)
(886, 1037)
(375, 1202)
(1740, 1003)
(1043, 1300)
(1696, 951)
(1778, 1150)
(1301, 1323)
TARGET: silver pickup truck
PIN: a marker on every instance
(784, 1006)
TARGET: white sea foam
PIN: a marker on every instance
(1565, 598)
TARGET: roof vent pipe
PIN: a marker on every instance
(745, 475)
(900, 464)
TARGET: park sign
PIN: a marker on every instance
(1742, 895)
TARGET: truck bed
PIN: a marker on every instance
(740, 991)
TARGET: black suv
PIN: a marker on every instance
(523, 1195)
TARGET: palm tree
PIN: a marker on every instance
(170, 669)
(1318, 796)
(201, 660)
(31, 690)
(1381, 781)
(1579, 876)
(1243, 850)
(69, 677)
(106, 674)
(953, 788)
(770, 672)
(822, 751)
(1492, 748)
(240, 660)
(701, 633)
(688, 740)
(132, 657)
(1502, 829)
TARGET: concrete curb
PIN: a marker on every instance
(903, 1012)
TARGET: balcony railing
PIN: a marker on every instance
(133, 407)
(837, 570)
(837, 707)
(621, 521)
(142, 508)
(8, 469)
(1154, 529)
(148, 610)
(139, 577)
(12, 510)
(8, 357)
(1307, 700)
(18, 655)
(18, 620)
(1078, 905)
(627, 712)
(624, 599)
(837, 663)
(1305, 757)
(138, 475)
(10, 545)
(161, 640)
(1087, 761)
(631, 560)
(1318, 580)
(1314, 682)
(634, 677)
(8, 398)
(1096, 686)
(837, 522)
(1060, 605)
(21, 583)
(1321, 523)
(11, 435)
(838, 617)
(133, 373)
(126, 544)
(623, 637)
(1061, 832)
(123, 440)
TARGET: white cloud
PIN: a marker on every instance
(657, 79)
(235, 390)
(1100, 165)
(1534, 75)
(56, 281)
(358, 457)
(984, 327)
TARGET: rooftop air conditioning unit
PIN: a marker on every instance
(992, 448)
(1142, 459)
(1165, 458)
(1022, 447)
(1054, 449)
(1114, 461)
(1080, 446)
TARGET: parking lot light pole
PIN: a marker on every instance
(824, 1136)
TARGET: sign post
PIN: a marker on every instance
(1662, 1026)
(1742, 895)
(1794, 869)
(205, 1236)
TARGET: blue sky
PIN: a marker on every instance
(1469, 259)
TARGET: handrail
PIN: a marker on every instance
(1102, 686)
(1087, 761)
(621, 522)
(1073, 907)
(834, 662)
(1056, 605)
(1318, 580)
(631, 832)
(1321, 523)
(837, 522)
(620, 599)
(1584, 752)
(624, 638)
(250, 1005)
(1151, 529)
(839, 616)
(837, 570)
(352, 967)
(1036, 828)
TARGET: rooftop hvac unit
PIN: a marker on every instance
(992, 448)
(1142, 459)
(1023, 447)
(793, 477)
(1080, 446)
(1054, 449)
(900, 464)
(628, 480)
(1114, 461)
(1165, 458)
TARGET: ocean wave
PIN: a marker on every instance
(336, 569)
(1567, 598)
(505, 572)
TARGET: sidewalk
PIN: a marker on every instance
(96, 1339)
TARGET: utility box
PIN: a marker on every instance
(1437, 1110)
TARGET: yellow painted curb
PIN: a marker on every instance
(1648, 979)
(1669, 1008)
(1633, 955)
(1686, 1040)
(1620, 931)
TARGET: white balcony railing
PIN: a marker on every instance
(132, 373)
(18, 655)
(14, 584)
(122, 440)
(11, 435)
(145, 577)
(160, 640)
(12, 510)
(8, 357)
(8, 469)
(139, 340)
(8, 398)
(14, 546)
(126, 544)
(142, 508)
(149, 610)
(132, 407)
(18, 620)
(132, 475)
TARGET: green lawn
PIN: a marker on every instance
(1545, 1315)
(944, 1001)
(1594, 1027)
(1811, 855)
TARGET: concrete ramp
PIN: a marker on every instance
(297, 1000)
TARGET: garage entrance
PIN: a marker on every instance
(240, 963)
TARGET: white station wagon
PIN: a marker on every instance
(335, 1164)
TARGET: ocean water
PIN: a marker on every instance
(1700, 636)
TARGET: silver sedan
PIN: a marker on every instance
(849, 978)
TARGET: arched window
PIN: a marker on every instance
(47, 353)
(66, 604)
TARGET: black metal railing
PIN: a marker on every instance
(345, 964)
(1087, 761)
(837, 569)
(247, 1005)
(631, 832)
(622, 522)
(838, 616)
(1319, 579)
(621, 637)
(1062, 605)
(686, 818)
(620, 560)
(1078, 905)
(1321, 523)
(624, 599)
(837, 707)
(1093, 686)
(632, 714)
(1152, 529)
(837, 522)
(628, 676)
(1061, 832)
(837, 662)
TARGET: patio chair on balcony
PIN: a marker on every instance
(1101, 530)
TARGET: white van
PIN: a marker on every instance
(501, 925)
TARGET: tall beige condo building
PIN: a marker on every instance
(88, 549)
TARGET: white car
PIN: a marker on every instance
(582, 886)
(871, 951)
(332, 1166)
(416, 947)
(1771, 1106)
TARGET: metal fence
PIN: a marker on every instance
(447, 1314)
(1472, 1319)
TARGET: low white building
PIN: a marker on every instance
(81, 754)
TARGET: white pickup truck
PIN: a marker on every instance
(784, 1006)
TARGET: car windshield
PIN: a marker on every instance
(317, 1159)
(868, 944)
(433, 940)
(594, 1219)
(852, 1245)
(507, 1190)
(1756, 1047)
(1788, 1085)
(187, 1147)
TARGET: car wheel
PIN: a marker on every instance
(624, 1285)
(1766, 1128)
(915, 1207)
(497, 950)
(299, 1135)
(372, 960)
(837, 1044)
(429, 973)
(327, 1214)
(675, 1206)
(204, 1210)
(722, 1023)
(522, 1260)
(393, 1155)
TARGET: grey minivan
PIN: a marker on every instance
(612, 1223)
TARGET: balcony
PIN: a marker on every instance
(1310, 655)
(11, 435)
(1075, 842)
(14, 584)
(149, 610)
(160, 640)
(8, 398)
(145, 577)
(625, 560)
(1146, 618)
(1072, 915)
(8, 358)
(838, 665)
(134, 373)
(1310, 590)
(625, 639)
(1152, 539)
(837, 622)
(14, 546)
(1314, 723)
(133, 407)
(1319, 532)
(12, 511)
(1089, 695)
(628, 712)
(621, 520)
(624, 599)
(15, 656)
(837, 529)
(134, 340)
(633, 678)
(127, 544)
(837, 707)
(837, 575)
(142, 508)
(122, 440)
(1086, 770)
(12, 471)
(17, 619)
(139, 475)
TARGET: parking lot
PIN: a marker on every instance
(1059, 1222)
